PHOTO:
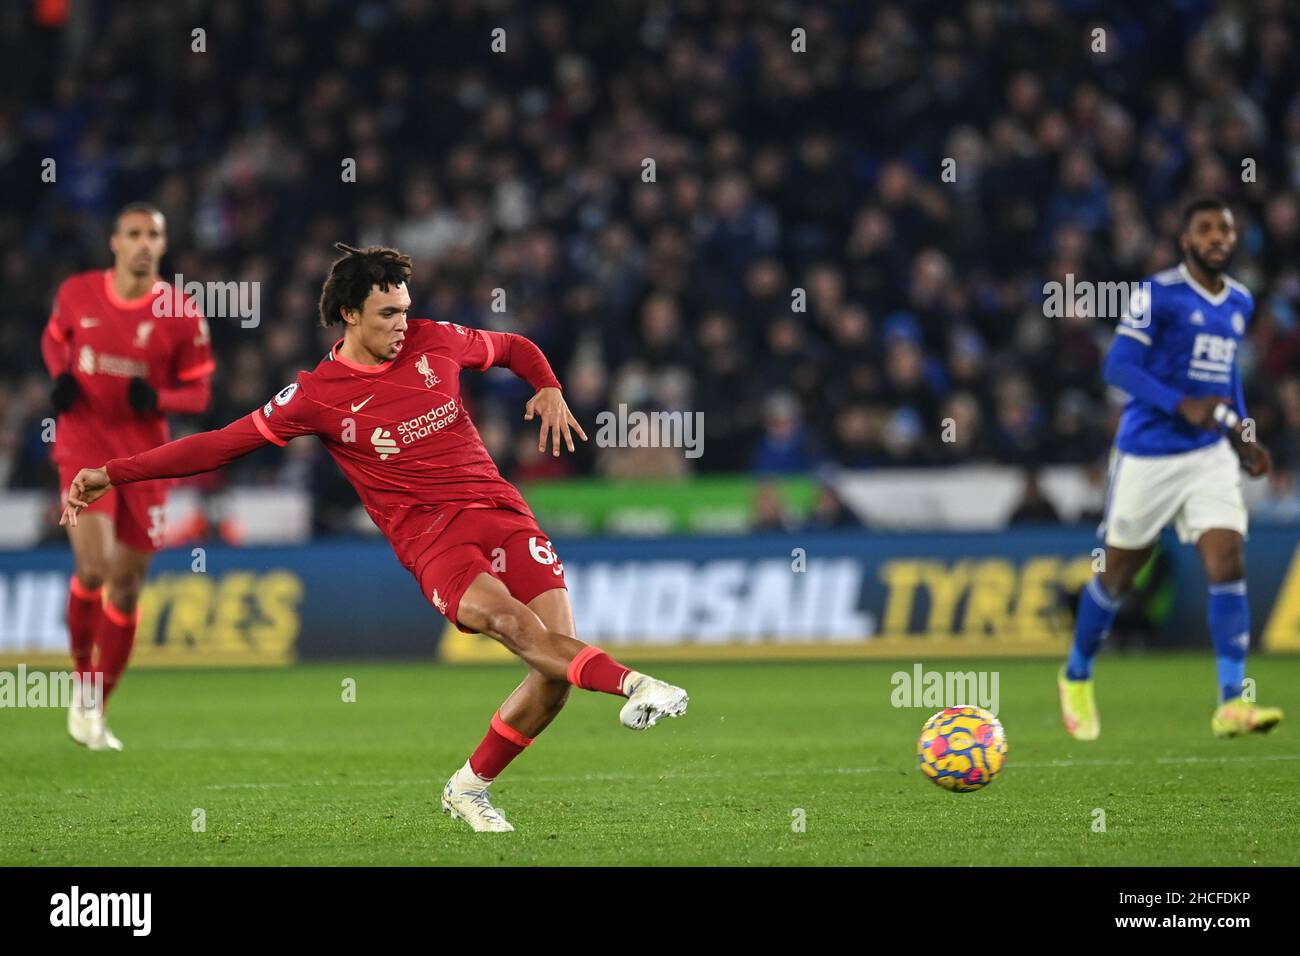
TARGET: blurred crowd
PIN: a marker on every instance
(797, 267)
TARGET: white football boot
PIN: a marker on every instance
(466, 798)
(79, 728)
(649, 699)
(101, 738)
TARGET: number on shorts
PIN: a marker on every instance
(544, 554)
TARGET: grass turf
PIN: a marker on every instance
(288, 774)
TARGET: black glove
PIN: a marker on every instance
(64, 393)
(141, 395)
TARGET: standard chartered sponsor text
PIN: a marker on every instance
(435, 419)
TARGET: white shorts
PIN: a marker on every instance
(1197, 490)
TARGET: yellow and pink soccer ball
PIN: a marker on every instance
(962, 748)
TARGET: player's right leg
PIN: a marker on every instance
(488, 608)
(1144, 494)
(1098, 604)
(92, 546)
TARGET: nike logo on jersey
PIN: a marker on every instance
(89, 322)
(360, 405)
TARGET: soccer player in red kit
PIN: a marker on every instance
(124, 349)
(386, 402)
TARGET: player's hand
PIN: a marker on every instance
(1254, 458)
(1200, 411)
(141, 395)
(64, 393)
(89, 486)
(556, 418)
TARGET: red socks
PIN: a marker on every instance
(501, 745)
(115, 638)
(593, 669)
(84, 613)
(96, 625)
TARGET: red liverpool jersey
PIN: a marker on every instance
(400, 431)
(105, 341)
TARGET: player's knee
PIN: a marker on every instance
(512, 624)
(1120, 572)
(1229, 566)
(91, 576)
(124, 592)
(124, 601)
(1118, 583)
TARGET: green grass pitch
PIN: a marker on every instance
(288, 774)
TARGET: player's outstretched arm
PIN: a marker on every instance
(192, 455)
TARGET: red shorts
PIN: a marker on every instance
(136, 510)
(496, 541)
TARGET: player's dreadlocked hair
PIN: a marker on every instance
(352, 277)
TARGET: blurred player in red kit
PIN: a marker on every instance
(124, 350)
(386, 403)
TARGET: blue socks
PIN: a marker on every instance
(1097, 611)
(1229, 618)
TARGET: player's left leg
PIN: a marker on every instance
(126, 577)
(528, 710)
(488, 607)
(1228, 614)
(556, 660)
(532, 705)
(1215, 519)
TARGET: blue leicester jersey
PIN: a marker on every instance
(1191, 338)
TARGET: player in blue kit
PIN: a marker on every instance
(1181, 444)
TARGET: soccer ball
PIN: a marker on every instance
(962, 748)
